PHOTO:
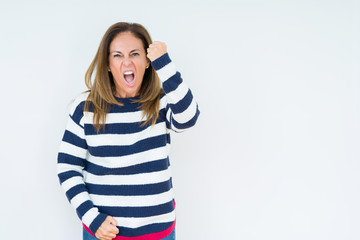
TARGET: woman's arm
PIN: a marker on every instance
(183, 110)
(71, 162)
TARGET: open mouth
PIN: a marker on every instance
(129, 77)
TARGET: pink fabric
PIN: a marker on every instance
(151, 236)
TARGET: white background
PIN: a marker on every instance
(275, 153)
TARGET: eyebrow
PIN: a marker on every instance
(116, 51)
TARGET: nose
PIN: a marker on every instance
(127, 61)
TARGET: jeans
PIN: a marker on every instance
(88, 236)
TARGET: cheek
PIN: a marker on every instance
(141, 62)
(113, 62)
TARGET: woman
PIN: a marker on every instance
(113, 162)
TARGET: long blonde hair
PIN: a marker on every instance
(102, 89)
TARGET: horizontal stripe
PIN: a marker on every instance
(140, 146)
(147, 167)
(131, 159)
(138, 212)
(128, 106)
(166, 72)
(178, 93)
(70, 159)
(68, 174)
(188, 124)
(91, 218)
(125, 139)
(133, 201)
(115, 128)
(100, 218)
(141, 222)
(64, 167)
(71, 182)
(183, 104)
(84, 207)
(123, 117)
(126, 117)
(72, 150)
(129, 190)
(71, 138)
(75, 128)
(77, 200)
(72, 192)
(171, 85)
(160, 62)
(137, 179)
(188, 114)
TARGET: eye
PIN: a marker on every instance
(117, 55)
(135, 54)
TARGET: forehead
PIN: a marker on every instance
(125, 41)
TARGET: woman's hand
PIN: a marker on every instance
(108, 229)
(156, 50)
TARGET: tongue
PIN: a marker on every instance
(129, 78)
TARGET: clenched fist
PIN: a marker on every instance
(107, 230)
(156, 50)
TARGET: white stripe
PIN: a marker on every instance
(74, 128)
(82, 120)
(140, 222)
(132, 201)
(82, 97)
(186, 115)
(134, 179)
(125, 139)
(89, 216)
(178, 94)
(73, 150)
(79, 199)
(72, 182)
(127, 117)
(163, 102)
(166, 72)
(64, 167)
(129, 160)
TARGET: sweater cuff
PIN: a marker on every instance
(161, 62)
(94, 226)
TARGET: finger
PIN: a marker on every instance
(112, 220)
(157, 42)
(156, 45)
(110, 236)
(115, 230)
(106, 236)
(99, 235)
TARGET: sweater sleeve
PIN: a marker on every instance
(182, 109)
(71, 162)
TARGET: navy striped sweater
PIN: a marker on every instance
(124, 170)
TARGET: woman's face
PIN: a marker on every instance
(127, 63)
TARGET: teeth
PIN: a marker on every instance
(128, 73)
